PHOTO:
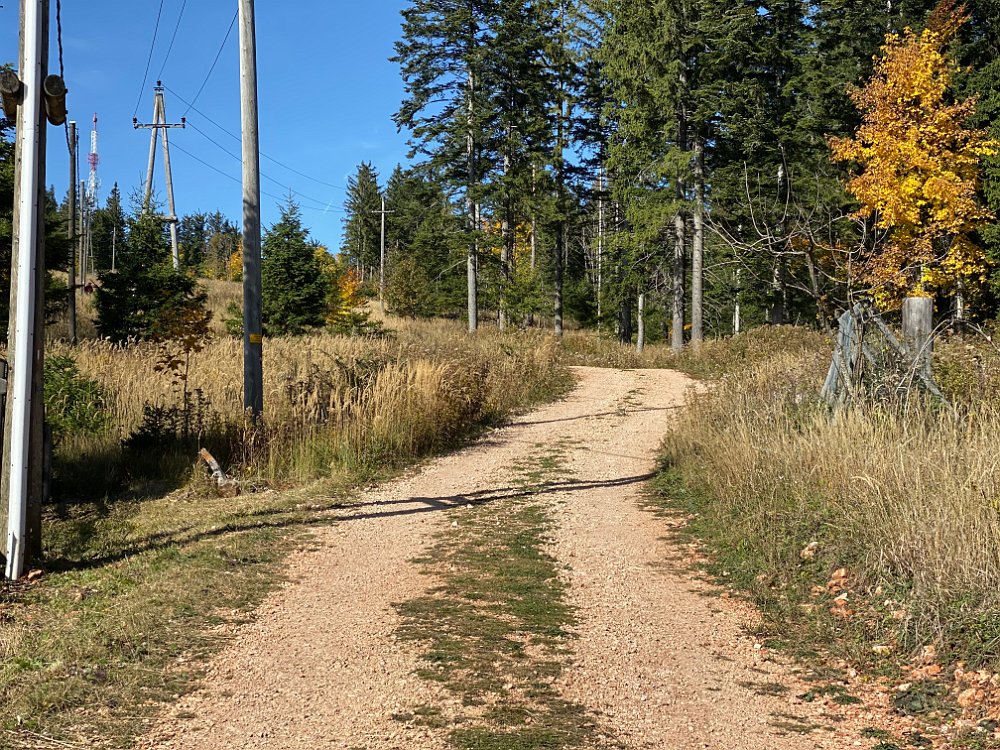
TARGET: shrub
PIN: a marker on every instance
(73, 403)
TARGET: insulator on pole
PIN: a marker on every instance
(10, 93)
(55, 99)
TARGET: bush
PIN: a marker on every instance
(407, 290)
(73, 403)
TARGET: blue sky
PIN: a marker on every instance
(327, 95)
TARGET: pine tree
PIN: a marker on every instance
(145, 298)
(569, 30)
(294, 295)
(108, 231)
(362, 228)
(520, 98)
(648, 154)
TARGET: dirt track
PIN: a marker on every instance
(659, 663)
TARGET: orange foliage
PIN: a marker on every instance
(920, 166)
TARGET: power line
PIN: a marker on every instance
(214, 63)
(321, 207)
(149, 60)
(173, 38)
(237, 138)
(239, 158)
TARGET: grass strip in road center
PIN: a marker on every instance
(496, 630)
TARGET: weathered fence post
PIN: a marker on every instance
(918, 330)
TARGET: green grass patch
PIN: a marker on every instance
(135, 601)
(496, 630)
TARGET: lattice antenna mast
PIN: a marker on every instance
(94, 159)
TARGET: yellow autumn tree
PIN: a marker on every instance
(919, 167)
(234, 266)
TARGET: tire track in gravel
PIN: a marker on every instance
(320, 666)
(661, 660)
(660, 664)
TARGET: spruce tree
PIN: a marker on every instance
(109, 227)
(361, 242)
(144, 298)
(294, 295)
(443, 61)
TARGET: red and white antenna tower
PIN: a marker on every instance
(93, 159)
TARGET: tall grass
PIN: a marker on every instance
(330, 401)
(906, 498)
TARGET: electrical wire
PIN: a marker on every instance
(62, 68)
(149, 60)
(214, 63)
(321, 207)
(239, 158)
(237, 138)
(173, 39)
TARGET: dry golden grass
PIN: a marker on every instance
(906, 498)
(329, 399)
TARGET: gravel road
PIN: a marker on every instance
(660, 663)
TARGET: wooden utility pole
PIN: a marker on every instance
(71, 229)
(253, 337)
(160, 126)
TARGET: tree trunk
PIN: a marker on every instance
(778, 293)
(472, 210)
(677, 302)
(560, 168)
(640, 343)
(506, 249)
(698, 246)
(680, 229)
(625, 321)
(737, 309)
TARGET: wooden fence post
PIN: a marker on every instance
(918, 330)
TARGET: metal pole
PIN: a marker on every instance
(22, 330)
(381, 269)
(170, 185)
(253, 355)
(71, 226)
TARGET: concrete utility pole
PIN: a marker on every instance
(381, 268)
(253, 337)
(71, 227)
(84, 232)
(21, 479)
(161, 126)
